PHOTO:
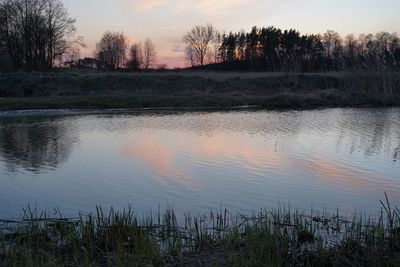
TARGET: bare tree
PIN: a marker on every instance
(363, 41)
(351, 45)
(35, 33)
(272, 49)
(333, 50)
(111, 51)
(198, 40)
(149, 54)
(60, 25)
(213, 53)
(350, 49)
(136, 57)
(190, 56)
(383, 41)
(330, 41)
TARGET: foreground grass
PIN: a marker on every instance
(197, 89)
(267, 238)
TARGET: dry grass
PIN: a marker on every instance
(267, 238)
(197, 89)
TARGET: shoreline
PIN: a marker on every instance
(116, 104)
(218, 238)
(196, 91)
(73, 111)
(94, 111)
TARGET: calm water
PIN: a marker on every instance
(242, 160)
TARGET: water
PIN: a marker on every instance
(241, 160)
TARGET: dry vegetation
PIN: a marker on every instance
(267, 238)
(192, 89)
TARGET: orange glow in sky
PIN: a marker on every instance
(166, 21)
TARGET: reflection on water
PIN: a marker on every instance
(245, 160)
(35, 143)
(212, 150)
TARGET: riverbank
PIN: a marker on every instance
(273, 238)
(69, 90)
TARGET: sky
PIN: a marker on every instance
(166, 21)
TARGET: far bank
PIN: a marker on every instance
(197, 90)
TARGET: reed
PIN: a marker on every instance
(281, 237)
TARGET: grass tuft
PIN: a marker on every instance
(267, 238)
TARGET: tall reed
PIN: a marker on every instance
(280, 237)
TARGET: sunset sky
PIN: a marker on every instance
(166, 21)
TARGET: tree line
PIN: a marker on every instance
(112, 53)
(35, 34)
(40, 35)
(273, 49)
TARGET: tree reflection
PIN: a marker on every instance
(35, 144)
(373, 133)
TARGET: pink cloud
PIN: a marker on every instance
(210, 7)
(148, 4)
(204, 7)
(141, 4)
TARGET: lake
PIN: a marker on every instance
(325, 159)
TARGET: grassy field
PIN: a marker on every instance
(193, 89)
(266, 238)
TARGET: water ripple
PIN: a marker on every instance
(199, 160)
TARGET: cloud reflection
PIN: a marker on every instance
(346, 177)
(170, 158)
(160, 157)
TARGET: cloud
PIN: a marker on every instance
(141, 4)
(211, 7)
(178, 48)
(203, 7)
(148, 4)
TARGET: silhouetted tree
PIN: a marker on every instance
(149, 54)
(241, 45)
(230, 46)
(313, 52)
(289, 51)
(189, 54)
(198, 40)
(272, 49)
(135, 57)
(111, 51)
(269, 41)
(330, 39)
(35, 33)
(350, 51)
(215, 48)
